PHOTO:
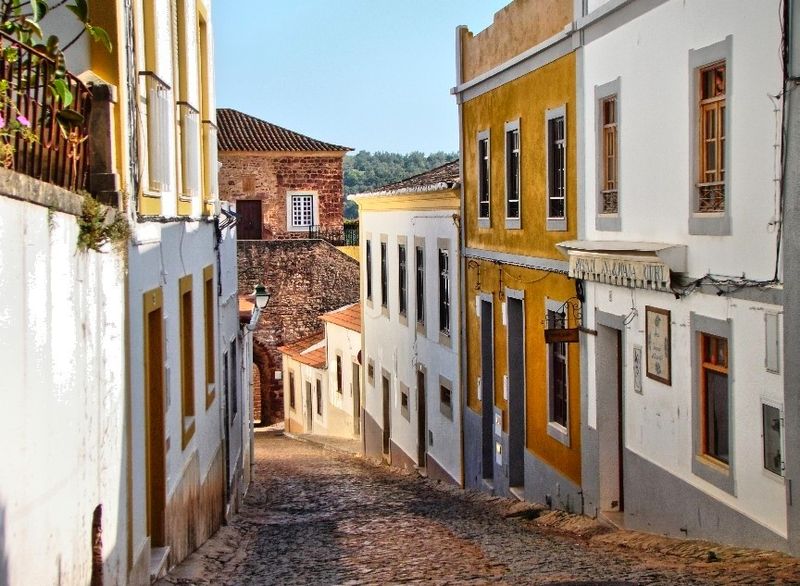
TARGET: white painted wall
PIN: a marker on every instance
(650, 55)
(400, 349)
(346, 343)
(62, 328)
(303, 374)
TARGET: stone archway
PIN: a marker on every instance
(261, 390)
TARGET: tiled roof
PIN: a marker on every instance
(245, 307)
(443, 177)
(299, 350)
(238, 131)
(348, 317)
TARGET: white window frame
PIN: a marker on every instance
(512, 223)
(556, 430)
(779, 406)
(290, 196)
(484, 135)
(556, 224)
(607, 222)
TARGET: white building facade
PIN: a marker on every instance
(410, 319)
(682, 309)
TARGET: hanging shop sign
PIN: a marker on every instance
(564, 324)
(623, 271)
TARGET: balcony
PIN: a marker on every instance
(345, 236)
(38, 135)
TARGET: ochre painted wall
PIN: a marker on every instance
(516, 28)
(527, 98)
(492, 278)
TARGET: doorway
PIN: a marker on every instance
(155, 408)
(516, 392)
(356, 399)
(249, 224)
(487, 388)
(610, 418)
(386, 414)
(309, 408)
(422, 423)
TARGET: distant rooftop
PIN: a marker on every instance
(348, 317)
(241, 132)
(301, 350)
(438, 179)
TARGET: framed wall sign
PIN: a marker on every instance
(658, 350)
(637, 369)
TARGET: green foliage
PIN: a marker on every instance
(100, 225)
(366, 171)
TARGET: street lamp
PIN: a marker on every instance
(262, 296)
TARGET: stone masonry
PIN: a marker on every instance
(269, 177)
(306, 278)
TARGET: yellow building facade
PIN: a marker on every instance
(517, 100)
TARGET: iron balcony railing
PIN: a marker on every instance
(46, 150)
(345, 236)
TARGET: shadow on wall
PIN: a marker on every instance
(3, 558)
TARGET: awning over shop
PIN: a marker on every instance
(645, 265)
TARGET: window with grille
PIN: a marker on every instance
(557, 168)
(512, 174)
(402, 275)
(444, 291)
(608, 156)
(714, 397)
(302, 211)
(557, 374)
(420, 292)
(711, 182)
(483, 176)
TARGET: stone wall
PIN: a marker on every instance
(269, 177)
(306, 278)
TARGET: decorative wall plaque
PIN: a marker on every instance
(637, 369)
(659, 344)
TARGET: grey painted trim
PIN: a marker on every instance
(512, 223)
(720, 475)
(484, 135)
(714, 224)
(555, 224)
(534, 58)
(446, 410)
(530, 262)
(555, 430)
(607, 222)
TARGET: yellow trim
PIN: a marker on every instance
(210, 341)
(429, 200)
(184, 206)
(150, 204)
(186, 334)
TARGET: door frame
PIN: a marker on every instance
(516, 461)
(487, 391)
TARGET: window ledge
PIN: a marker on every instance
(188, 431)
(445, 339)
(556, 224)
(484, 223)
(558, 432)
(513, 224)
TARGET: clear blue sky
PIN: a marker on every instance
(369, 74)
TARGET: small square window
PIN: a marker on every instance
(302, 211)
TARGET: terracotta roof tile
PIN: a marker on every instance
(245, 307)
(299, 350)
(440, 178)
(348, 317)
(241, 132)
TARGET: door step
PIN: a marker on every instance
(613, 519)
(422, 471)
(158, 563)
(518, 492)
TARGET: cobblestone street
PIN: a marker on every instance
(314, 516)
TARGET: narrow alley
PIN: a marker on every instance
(314, 516)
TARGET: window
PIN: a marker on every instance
(187, 359)
(608, 156)
(402, 278)
(512, 174)
(714, 391)
(556, 170)
(339, 374)
(234, 386)
(208, 302)
(291, 390)
(446, 397)
(371, 371)
(319, 397)
(369, 269)
(444, 292)
(557, 374)
(772, 420)
(404, 411)
(419, 252)
(384, 277)
(711, 181)
(302, 210)
(484, 174)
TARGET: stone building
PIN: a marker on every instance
(288, 192)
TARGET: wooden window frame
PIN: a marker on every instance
(185, 303)
(711, 179)
(707, 427)
(210, 342)
(609, 157)
(557, 428)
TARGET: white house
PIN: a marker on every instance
(682, 308)
(321, 378)
(410, 266)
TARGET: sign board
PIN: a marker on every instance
(623, 271)
(658, 349)
(558, 335)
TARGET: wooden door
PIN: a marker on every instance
(249, 224)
